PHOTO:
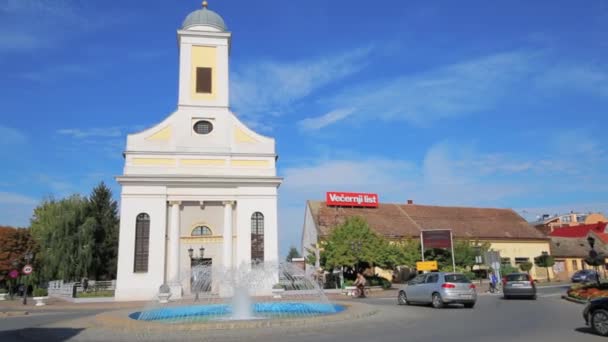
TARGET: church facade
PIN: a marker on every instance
(200, 186)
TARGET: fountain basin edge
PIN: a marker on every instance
(121, 320)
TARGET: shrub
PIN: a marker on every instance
(3, 291)
(379, 281)
(38, 292)
(278, 286)
(506, 269)
(348, 282)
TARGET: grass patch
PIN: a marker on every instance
(95, 294)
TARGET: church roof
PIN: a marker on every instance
(205, 17)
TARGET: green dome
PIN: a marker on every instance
(204, 17)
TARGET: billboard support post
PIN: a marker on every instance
(422, 245)
(452, 243)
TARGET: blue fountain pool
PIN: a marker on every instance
(202, 313)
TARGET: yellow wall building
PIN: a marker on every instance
(506, 231)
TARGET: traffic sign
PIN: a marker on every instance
(27, 269)
(426, 266)
(13, 274)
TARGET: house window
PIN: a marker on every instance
(142, 243)
(519, 261)
(574, 265)
(203, 80)
(201, 231)
(505, 261)
(566, 219)
(257, 237)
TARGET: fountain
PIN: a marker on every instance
(241, 294)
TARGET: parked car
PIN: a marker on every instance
(596, 315)
(584, 276)
(439, 289)
(518, 285)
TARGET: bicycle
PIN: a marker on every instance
(360, 294)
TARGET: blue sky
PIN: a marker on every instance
(476, 103)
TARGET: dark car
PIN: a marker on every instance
(584, 276)
(518, 285)
(596, 316)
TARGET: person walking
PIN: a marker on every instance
(493, 282)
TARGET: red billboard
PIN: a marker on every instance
(437, 238)
(351, 199)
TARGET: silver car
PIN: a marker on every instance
(439, 289)
(518, 285)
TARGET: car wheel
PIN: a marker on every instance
(506, 297)
(402, 298)
(469, 305)
(437, 301)
(533, 297)
(599, 322)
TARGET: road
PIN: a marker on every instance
(493, 319)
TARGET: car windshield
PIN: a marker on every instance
(456, 278)
(517, 277)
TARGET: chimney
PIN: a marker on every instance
(410, 202)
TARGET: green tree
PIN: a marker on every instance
(352, 243)
(465, 252)
(65, 236)
(293, 253)
(104, 212)
(399, 253)
(546, 261)
(526, 266)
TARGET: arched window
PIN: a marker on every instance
(257, 237)
(142, 243)
(201, 231)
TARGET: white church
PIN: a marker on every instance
(200, 186)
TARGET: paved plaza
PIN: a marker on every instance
(550, 318)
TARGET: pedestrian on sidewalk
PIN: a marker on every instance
(493, 282)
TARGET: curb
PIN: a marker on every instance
(13, 314)
(575, 300)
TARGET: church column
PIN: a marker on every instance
(228, 234)
(174, 236)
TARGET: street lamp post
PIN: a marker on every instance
(15, 264)
(28, 258)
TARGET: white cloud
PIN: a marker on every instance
(13, 198)
(83, 133)
(270, 87)
(450, 91)
(11, 136)
(56, 72)
(325, 120)
(589, 78)
(449, 174)
(16, 209)
(534, 213)
(26, 25)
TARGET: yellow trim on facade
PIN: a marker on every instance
(162, 135)
(250, 163)
(204, 57)
(154, 161)
(203, 239)
(203, 162)
(242, 137)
